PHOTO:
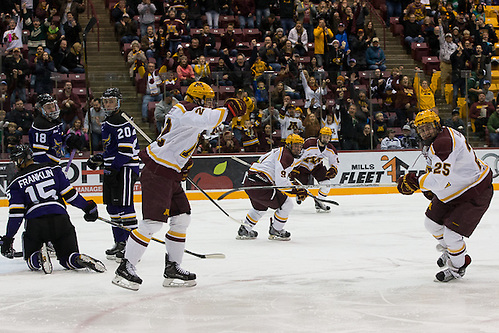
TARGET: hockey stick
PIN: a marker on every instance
(202, 256)
(213, 201)
(300, 185)
(145, 136)
(71, 157)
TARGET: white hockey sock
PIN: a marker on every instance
(136, 245)
(175, 249)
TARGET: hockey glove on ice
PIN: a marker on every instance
(185, 170)
(408, 184)
(236, 107)
(95, 161)
(6, 247)
(332, 172)
(91, 212)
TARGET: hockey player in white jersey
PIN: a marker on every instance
(320, 160)
(459, 186)
(272, 169)
(167, 162)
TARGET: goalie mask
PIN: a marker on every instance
(20, 155)
(111, 101)
(47, 106)
(294, 143)
(201, 94)
(428, 126)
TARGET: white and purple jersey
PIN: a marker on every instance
(46, 140)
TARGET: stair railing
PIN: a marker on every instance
(91, 10)
(374, 12)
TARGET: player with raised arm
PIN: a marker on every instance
(320, 159)
(459, 186)
(272, 169)
(46, 136)
(121, 169)
(167, 162)
(37, 194)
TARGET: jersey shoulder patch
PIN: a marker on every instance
(443, 144)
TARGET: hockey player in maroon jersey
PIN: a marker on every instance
(272, 169)
(320, 160)
(459, 186)
(167, 162)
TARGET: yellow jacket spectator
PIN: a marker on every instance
(259, 66)
(321, 35)
(425, 93)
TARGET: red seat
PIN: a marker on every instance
(429, 64)
(419, 50)
(393, 21)
(77, 80)
(226, 92)
(224, 20)
(250, 34)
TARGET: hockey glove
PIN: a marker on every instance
(332, 172)
(73, 142)
(428, 195)
(408, 184)
(95, 161)
(91, 212)
(185, 170)
(111, 176)
(301, 194)
(236, 107)
(6, 247)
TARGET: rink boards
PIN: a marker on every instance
(372, 172)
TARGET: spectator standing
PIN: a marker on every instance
(321, 35)
(244, 10)
(12, 37)
(299, 38)
(175, 29)
(43, 70)
(70, 106)
(262, 10)
(149, 86)
(212, 11)
(146, 11)
(447, 48)
(72, 30)
(366, 139)
(16, 69)
(97, 117)
(287, 14)
(405, 101)
(425, 93)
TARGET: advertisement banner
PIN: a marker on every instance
(215, 172)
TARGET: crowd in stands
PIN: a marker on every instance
(298, 65)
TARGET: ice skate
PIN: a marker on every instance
(126, 276)
(44, 259)
(91, 263)
(117, 252)
(321, 207)
(443, 259)
(244, 233)
(281, 235)
(452, 272)
(175, 276)
(51, 250)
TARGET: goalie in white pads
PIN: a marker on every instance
(272, 169)
(167, 163)
(320, 160)
(459, 186)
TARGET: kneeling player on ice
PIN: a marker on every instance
(321, 161)
(272, 169)
(167, 163)
(37, 194)
(459, 186)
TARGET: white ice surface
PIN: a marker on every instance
(368, 266)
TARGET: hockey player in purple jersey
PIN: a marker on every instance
(121, 164)
(46, 134)
(37, 194)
